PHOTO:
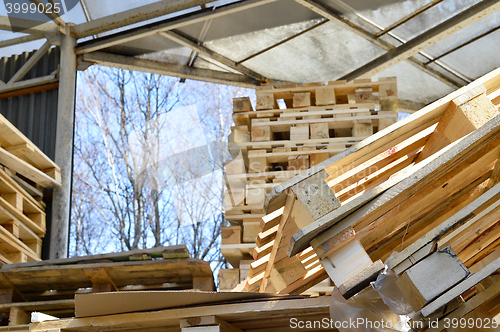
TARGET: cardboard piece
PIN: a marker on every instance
(102, 304)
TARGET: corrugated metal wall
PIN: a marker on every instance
(34, 114)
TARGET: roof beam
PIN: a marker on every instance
(20, 40)
(213, 55)
(28, 26)
(426, 39)
(346, 24)
(175, 70)
(170, 24)
(133, 16)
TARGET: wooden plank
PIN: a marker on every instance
(471, 212)
(361, 280)
(171, 252)
(27, 170)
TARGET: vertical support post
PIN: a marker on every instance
(61, 203)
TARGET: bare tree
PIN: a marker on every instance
(149, 154)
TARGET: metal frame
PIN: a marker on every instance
(80, 56)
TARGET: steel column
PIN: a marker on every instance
(61, 205)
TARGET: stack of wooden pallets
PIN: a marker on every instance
(50, 286)
(292, 129)
(25, 172)
(423, 193)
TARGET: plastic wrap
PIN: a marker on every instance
(386, 287)
(380, 308)
(364, 312)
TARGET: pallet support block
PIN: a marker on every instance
(325, 96)
(242, 104)
(362, 129)
(431, 277)
(319, 130)
(299, 133)
(346, 262)
(364, 95)
(298, 163)
(228, 279)
(231, 235)
(265, 101)
(257, 164)
(301, 99)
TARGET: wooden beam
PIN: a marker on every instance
(163, 68)
(213, 55)
(426, 39)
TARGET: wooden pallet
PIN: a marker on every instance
(20, 155)
(50, 286)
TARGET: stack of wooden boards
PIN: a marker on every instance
(25, 172)
(292, 129)
(426, 186)
(50, 286)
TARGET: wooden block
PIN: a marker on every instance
(290, 269)
(364, 95)
(250, 231)
(464, 114)
(203, 283)
(384, 123)
(319, 130)
(265, 101)
(17, 257)
(244, 269)
(389, 104)
(6, 295)
(388, 90)
(18, 316)
(234, 197)
(314, 198)
(301, 99)
(299, 133)
(242, 104)
(255, 196)
(236, 166)
(361, 280)
(228, 279)
(316, 158)
(368, 121)
(351, 99)
(239, 135)
(298, 163)
(343, 132)
(362, 129)
(431, 277)
(326, 248)
(231, 235)
(12, 226)
(261, 134)
(257, 164)
(346, 262)
(16, 200)
(325, 96)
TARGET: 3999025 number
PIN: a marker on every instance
(26, 8)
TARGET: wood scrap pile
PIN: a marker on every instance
(50, 286)
(426, 186)
(25, 172)
(293, 128)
